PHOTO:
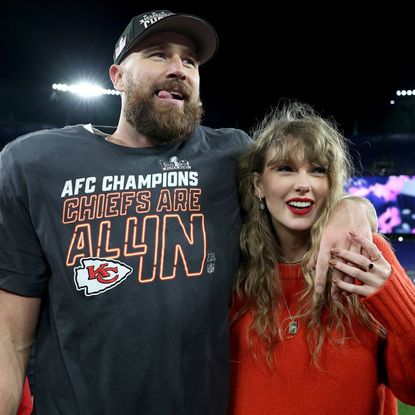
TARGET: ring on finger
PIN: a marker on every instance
(375, 258)
(370, 266)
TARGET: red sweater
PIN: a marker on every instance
(25, 407)
(356, 378)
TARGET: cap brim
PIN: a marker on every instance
(200, 32)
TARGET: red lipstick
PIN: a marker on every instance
(300, 206)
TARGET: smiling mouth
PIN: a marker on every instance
(300, 205)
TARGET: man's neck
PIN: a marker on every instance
(127, 136)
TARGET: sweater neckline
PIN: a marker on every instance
(290, 271)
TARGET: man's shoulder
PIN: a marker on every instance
(224, 137)
(46, 142)
(51, 134)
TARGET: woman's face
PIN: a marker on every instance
(293, 191)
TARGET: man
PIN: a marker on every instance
(121, 249)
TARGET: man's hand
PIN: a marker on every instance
(352, 213)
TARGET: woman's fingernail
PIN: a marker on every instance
(335, 251)
(332, 262)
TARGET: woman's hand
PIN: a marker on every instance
(351, 213)
(369, 267)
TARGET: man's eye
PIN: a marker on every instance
(158, 55)
(190, 62)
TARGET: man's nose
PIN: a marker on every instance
(176, 68)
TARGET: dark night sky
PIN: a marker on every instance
(345, 63)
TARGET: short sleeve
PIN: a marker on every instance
(23, 269)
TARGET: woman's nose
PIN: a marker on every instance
(302, 187)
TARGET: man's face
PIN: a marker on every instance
(161, 78)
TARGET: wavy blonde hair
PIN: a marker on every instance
(294, 132)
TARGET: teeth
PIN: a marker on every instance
(300, 204)
(177, 95)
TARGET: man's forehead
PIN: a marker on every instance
(165, 38)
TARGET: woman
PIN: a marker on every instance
(294, 351)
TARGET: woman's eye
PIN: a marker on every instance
(319, 170)
(284, 168)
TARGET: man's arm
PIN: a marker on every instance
(352, 213)
(18, 320)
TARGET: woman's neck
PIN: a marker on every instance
(294, 245)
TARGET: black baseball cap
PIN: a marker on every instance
(199, 31)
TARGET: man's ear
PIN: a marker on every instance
(116, 73)
(259, 191)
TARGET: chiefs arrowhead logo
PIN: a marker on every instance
(97, 275)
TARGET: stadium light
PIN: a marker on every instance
(85, 89)
(405, 92)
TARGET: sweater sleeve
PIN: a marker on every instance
(394, 307)
(25, 407)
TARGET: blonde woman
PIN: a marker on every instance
(294, 351)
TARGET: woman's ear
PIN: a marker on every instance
(259, 192)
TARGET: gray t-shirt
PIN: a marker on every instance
(133, 251)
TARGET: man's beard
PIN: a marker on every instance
(161, 123)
